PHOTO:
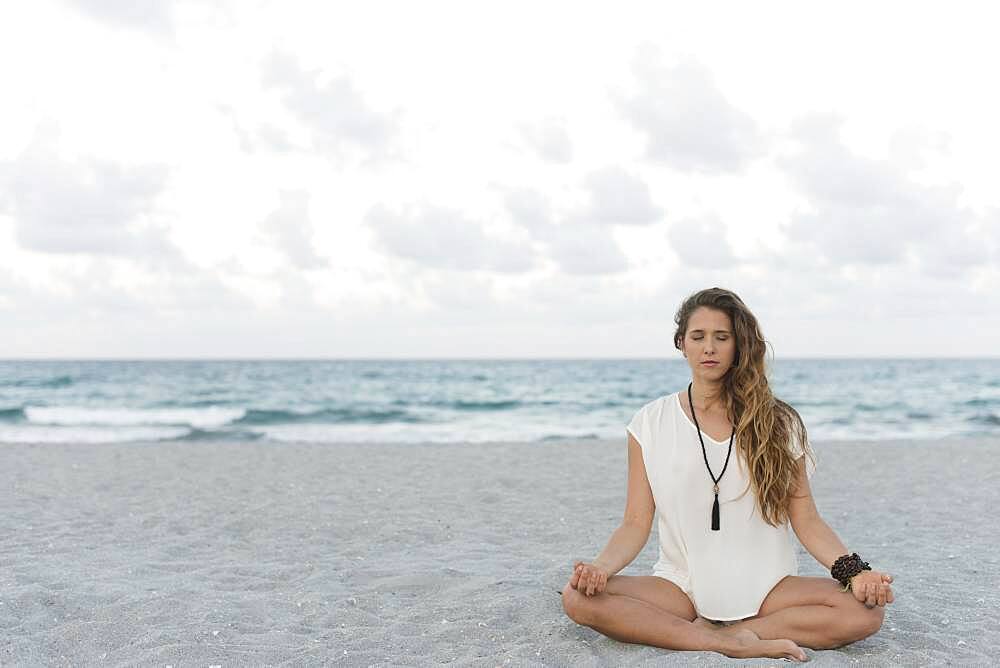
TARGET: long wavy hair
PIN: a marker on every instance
(763, 423)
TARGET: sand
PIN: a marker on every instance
(410, 555)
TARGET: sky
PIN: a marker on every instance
(519, 180)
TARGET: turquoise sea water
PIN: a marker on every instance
(463, 400)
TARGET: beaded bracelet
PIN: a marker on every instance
(846, 567)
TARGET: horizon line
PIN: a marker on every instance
(456, 359)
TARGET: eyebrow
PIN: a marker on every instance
(720, 331)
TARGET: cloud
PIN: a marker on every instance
(87, 206)
(104, 287)
(266, 135)
(584, 249)
(578, 246)
(581, 243)
(702, 243)
(335, 112)
(869, 211)
(443, 238)
(528, 208)
(151, 16)
(686, 120)
(288, 226)
(549, 139)
(619, 197)
(910, 146)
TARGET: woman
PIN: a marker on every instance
(724, 463)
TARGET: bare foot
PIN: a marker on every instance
(748, 644)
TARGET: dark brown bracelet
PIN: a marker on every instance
(847, 566)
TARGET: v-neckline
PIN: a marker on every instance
(680, 407)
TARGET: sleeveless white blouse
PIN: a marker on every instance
(727, 574)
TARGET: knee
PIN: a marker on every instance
(871, 621)
(575, 604)
(861, 622)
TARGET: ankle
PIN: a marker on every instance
(715, 641)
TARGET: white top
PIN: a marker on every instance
(726, 573)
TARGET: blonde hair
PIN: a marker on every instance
(764, 424)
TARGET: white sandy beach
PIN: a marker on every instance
(411, 555)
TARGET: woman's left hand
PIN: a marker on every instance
(872, 588)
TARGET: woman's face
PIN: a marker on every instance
(709, 337)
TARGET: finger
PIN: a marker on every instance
(872, 597)
(591, 583)
(889, 596)
(880, 600)
(886, 577)
(602, 582)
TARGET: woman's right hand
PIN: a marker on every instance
(588, 578)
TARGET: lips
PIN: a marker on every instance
(710, 363)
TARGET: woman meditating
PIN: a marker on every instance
(723, 464)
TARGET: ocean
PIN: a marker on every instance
(470, 401)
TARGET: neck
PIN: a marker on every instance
(706, 394)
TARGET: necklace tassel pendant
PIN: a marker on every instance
(715, 481)
(715, 513)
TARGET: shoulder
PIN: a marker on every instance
(794, 423)
(647, 419)
(656, 405)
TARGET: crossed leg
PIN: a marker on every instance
(653, 611)
(813, 612)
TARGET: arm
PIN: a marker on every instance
(871, 587)
(631, 536)
(814, 534)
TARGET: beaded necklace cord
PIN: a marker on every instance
(715, 481)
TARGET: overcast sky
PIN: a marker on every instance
(288, 179)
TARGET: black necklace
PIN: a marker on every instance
(715, 481)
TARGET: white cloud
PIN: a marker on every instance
(619, 197)
(528, 207)
(152, 16)
(549, 138)
(870, 211)
(686, 120)
(84, 205)
(444, 238)
(580, 244)
(584, 248)
(335, 111)
(702, 243)
(287, 227)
